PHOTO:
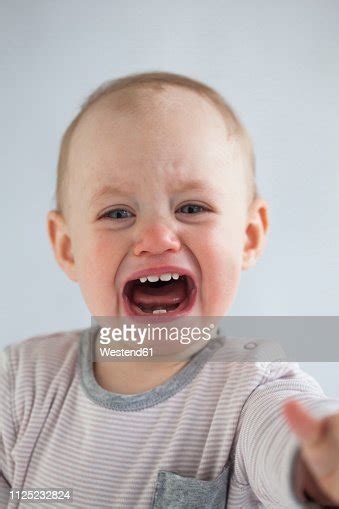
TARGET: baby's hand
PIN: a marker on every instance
(319, 444)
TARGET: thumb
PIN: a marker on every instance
(316, 449)
(308, 429)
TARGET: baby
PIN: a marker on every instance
(156, 178)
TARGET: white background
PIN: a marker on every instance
(277, 63)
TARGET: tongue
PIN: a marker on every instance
(173, 292)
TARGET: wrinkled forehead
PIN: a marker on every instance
(156, 133)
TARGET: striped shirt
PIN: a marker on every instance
(212, 436)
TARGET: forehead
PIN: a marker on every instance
(148, 133)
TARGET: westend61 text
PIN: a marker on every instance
(139, 334)
(139, 352)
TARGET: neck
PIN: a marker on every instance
(134, 377)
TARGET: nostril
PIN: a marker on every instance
(157, 241)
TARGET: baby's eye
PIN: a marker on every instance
(118, 214)
(192, 208)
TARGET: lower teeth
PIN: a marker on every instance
(157, 311)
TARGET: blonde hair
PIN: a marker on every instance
(157, 81)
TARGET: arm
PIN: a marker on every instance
(4, 400)
(266, 447)
(4, 489)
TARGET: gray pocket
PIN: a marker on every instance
(174, 491)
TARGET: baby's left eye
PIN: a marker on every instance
(193, 208)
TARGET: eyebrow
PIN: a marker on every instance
(188, 185)
(110, 190)
(194, 185)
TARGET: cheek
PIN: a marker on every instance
(220, 261)
(97, 259)
(219, 249)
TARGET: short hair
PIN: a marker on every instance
(158, 81)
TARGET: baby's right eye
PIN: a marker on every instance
(117, 214)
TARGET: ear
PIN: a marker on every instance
(256, 231)
(61, 243)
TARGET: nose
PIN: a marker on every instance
(156, 238)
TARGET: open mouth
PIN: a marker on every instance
(169, 294)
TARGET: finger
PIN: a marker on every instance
(308, 429)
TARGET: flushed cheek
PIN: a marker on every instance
(97, 267)
(96, 259)
(220, 262)
(220, 283)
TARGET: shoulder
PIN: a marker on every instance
(255, 361)
(44, 348)
(256, 370)
(32, 368)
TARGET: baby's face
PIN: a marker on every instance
(157, 191)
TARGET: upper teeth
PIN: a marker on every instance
(163, 277)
